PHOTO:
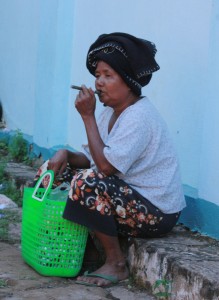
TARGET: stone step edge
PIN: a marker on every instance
(148, 264)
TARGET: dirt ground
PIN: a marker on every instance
(18, 281)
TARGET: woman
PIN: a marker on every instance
(127, 179)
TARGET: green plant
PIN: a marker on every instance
(15, 149)
(3, 148)
(162, 288)
(3, 283)
(8, 187)
(13, 192)
(18, 147)
(2, 171)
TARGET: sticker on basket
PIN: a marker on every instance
(47, 190)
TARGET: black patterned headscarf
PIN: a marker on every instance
(131, 57)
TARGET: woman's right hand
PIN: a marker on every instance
(58, 162)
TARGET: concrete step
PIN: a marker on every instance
(182, 265)
(21, 173)
(187, 261)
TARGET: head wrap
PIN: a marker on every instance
(131, 57)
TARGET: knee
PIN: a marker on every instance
(85, 177)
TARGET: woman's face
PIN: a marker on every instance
(113, 90)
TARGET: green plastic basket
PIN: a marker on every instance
(50, 244)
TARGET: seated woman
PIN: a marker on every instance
(126, 179)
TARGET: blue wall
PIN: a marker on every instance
(43, 46)
(18, 56)
(53, 72)
(36, 41)
(202, 216)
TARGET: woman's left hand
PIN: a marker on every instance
(85, 102)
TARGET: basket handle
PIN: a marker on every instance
(49, 173)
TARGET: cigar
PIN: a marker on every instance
(75, 87)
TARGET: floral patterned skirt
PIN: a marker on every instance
(109, 205)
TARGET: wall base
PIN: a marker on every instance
(200, 215)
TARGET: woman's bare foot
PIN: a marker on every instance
(113, 270)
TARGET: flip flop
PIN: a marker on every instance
(86, 283)
(112, 279)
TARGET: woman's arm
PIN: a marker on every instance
(85, 104)
(59, 161)
(96, 147)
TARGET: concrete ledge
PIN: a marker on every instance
(21, 173)
(188, 260)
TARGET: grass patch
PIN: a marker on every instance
(162, 289)
(3, 148)
(18, 148)
(14, 149)
(8, 186)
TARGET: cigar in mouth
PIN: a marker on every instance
(75, 87)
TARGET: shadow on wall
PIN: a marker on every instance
(2, 121)
(1, 112)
